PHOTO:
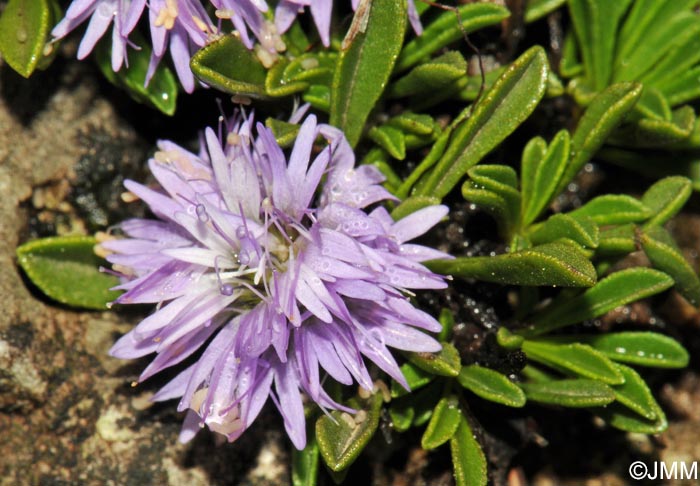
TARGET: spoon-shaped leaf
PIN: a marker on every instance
(364, 66)
(66, 269)
(604, 114)
(640, 348)
(667, 257)
(635, 394)
(342, 437)
(558, 263)
(505, 106)
(25, 26)
(491, 385)
(227, 64)
(443, 423)
(444, 363)
(570, 393)
(618, 289)
(542, 167)
(574, 358)
(468, 459)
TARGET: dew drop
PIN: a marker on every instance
(201, 213)
(22, 35)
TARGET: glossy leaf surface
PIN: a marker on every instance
(443, 423)
(575, 393)
(618, 289)
(364, 66)
(557, 263)
(25, 27)
(576, 358)
(468, 460)
(342, 437)
(66, 269)
(491, 385)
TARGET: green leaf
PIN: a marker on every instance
(443, 423)
(162, 89)
(679, 60)
(665, 198)
(642, 21)
(428, 162)
(507, 104)
(415, 124)
(654, 105)
(619, 288)
(411, 205)
(402, 413)
(660, 36)
(635, 394)
(364, 66)
(613, 209)
(640, 348)
(536, 9)
(444, 363)
(556, 263)
(468, 459)
(621, 417)
(415, 377)
(494, 187)
(285, 133)
(277, 86)
(305, 464)
(445, 30)
(25, 28)
(595, 23)
(604, 114)
(663, 254)
(65, 268)
(575, 393)
(437, 74)
(581, 230)
(228, 65)
(318, 96)
(576, 358)
(341, 437)
(618, 240)
(508, 340)
(390, 139)
(542, 168)
(491, 385)
(312, 68)
(655, 133)
(570, 64)
(447, 320)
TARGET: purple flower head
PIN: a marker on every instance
(279, 277)
(182, 26)
(123, 13)
(321, 10)
(185, 26)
